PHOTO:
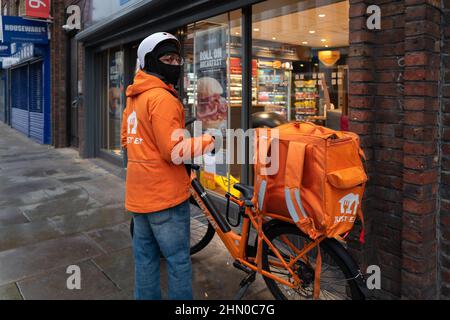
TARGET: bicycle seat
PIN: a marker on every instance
(246, 191)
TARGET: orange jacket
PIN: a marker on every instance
(154, 182)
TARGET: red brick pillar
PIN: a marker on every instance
(58, 75)
(361, 95)
(420, 150)
(377, 114)
(445, 164)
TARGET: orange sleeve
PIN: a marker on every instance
(168, 129)
(124, 131)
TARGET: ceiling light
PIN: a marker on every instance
(312, 31)
(274, 38)
(326, 46)
(322, 15)
(302, 65)
(305, 42)
(256, 29)
(237, 33)
(323, 40)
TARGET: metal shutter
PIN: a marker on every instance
(19, 100)
(36, 103)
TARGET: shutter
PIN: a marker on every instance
(36, 103)
(19, 100)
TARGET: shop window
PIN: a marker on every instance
(113, 102)
(212, 90)
(301, 48)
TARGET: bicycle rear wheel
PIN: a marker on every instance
(202, 232)
(339, 272)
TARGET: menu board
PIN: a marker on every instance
(211, 74)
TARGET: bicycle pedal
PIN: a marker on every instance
(241, 267)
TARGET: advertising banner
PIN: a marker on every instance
(17, 29)
(37, 8)
(211, 74)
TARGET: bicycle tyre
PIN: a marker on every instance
(331, 247)
(198, 246)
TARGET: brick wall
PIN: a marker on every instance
(59, 72)
(444, 273)
(61, 77)
(421, 160)
(396, 110)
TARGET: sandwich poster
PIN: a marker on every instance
(211, 74)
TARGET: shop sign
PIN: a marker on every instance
(211, 75)
(37, 8)
(19, 53)
(5, 50)
(17, 29)
(9, 62)
(26, 52)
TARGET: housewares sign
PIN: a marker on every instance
(17, 29)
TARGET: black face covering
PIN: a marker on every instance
(170, 73)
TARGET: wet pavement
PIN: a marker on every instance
(57, 210)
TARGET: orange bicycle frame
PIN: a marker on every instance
(237, 244)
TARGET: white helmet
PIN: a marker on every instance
(150, 43)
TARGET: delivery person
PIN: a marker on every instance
(157, 186)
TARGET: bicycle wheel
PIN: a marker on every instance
(202, 232)
(339, 272)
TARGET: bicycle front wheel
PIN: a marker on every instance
(339, 273)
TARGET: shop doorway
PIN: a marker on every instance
(74, 92)
(27, 100)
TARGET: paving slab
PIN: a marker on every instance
(61, 201)
(18, 264)
(122, 295)
(106, 190)
(10, 292)
(53, 285)
(25, 234)
(215, 278)
(11, 216)
(119, 267)
(112, 239)
(91, 219)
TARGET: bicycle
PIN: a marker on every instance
(281, 253)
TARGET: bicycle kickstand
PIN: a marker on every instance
(245, 285)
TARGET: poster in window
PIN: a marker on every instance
(211, 74)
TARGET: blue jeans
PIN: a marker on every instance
(165, 233)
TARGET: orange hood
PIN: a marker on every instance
(144, 82)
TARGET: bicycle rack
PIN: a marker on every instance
(246, 283)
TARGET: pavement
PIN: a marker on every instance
(58, 210)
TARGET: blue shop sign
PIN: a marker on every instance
(17, 29)
(5, 50)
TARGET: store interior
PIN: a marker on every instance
(300, 70)
(299, 66)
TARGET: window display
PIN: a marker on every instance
(114, 103)
(212, 89)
